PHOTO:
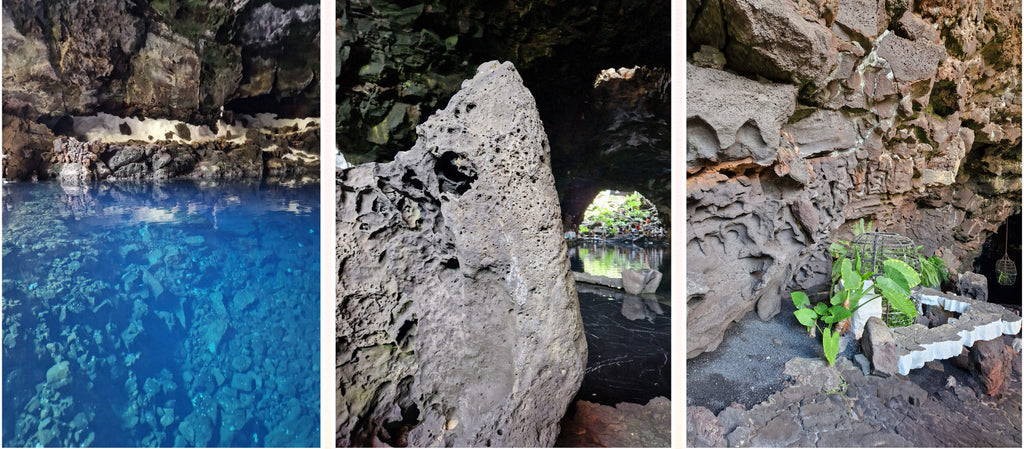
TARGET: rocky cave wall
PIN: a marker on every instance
(458, 321)
(196, 62)
(398, 62)
(803, 117)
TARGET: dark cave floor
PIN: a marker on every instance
(742, 382)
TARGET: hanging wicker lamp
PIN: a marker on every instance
(1005, 268)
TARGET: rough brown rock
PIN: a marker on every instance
(625, 425)
(173, 59)
(990, 362)
(906, 115)
(702, 429)
(771, 38)
(879, 346)
(457, 313)
(26, 149)
(733, 118)
(973, 285)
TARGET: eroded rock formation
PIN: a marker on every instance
(458, 322)
(173, 59)
(400, 61)
(804, 117)
(286, 150)
(69, 62)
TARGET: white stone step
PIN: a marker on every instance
(978, 321)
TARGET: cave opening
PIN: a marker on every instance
(1006, 240)
(615, 245)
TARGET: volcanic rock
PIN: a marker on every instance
(990, 361)
(973, 285)
(457, 313)
(894, 113)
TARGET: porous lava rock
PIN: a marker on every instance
(906, 114)
(625, 425)
(398, 62)
(458, 322)
(990, 362)
(177, 59)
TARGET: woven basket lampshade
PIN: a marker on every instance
(1007, 271)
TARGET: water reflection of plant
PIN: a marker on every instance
(609, 261)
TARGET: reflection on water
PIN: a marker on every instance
(608, 260)
(160, 315)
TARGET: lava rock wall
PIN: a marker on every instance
(177, 59)
(286, 152)
(458, 322)
(804, 117)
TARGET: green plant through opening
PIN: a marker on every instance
(612, 214)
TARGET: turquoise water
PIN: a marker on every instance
(161, 315)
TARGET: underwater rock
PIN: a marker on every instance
(58, 375)
(455, 300)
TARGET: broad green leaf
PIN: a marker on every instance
(800, 299)
(839, 297)
(851, 279)
(807, 317)
(821, 308)
(830, 343)
(900, 302)
(855, 298)
(898, 270)
(885, 283)
(839, 313)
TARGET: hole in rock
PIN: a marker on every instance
(405, 331)
(396, 433)
(455, 173)
(944, 98)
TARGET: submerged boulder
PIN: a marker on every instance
(458, 322)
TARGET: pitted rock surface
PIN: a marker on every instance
(172, 59)
(458, 322)
(901, 113)
(739, 119)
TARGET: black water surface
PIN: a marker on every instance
(628, 360)
(628, 337)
